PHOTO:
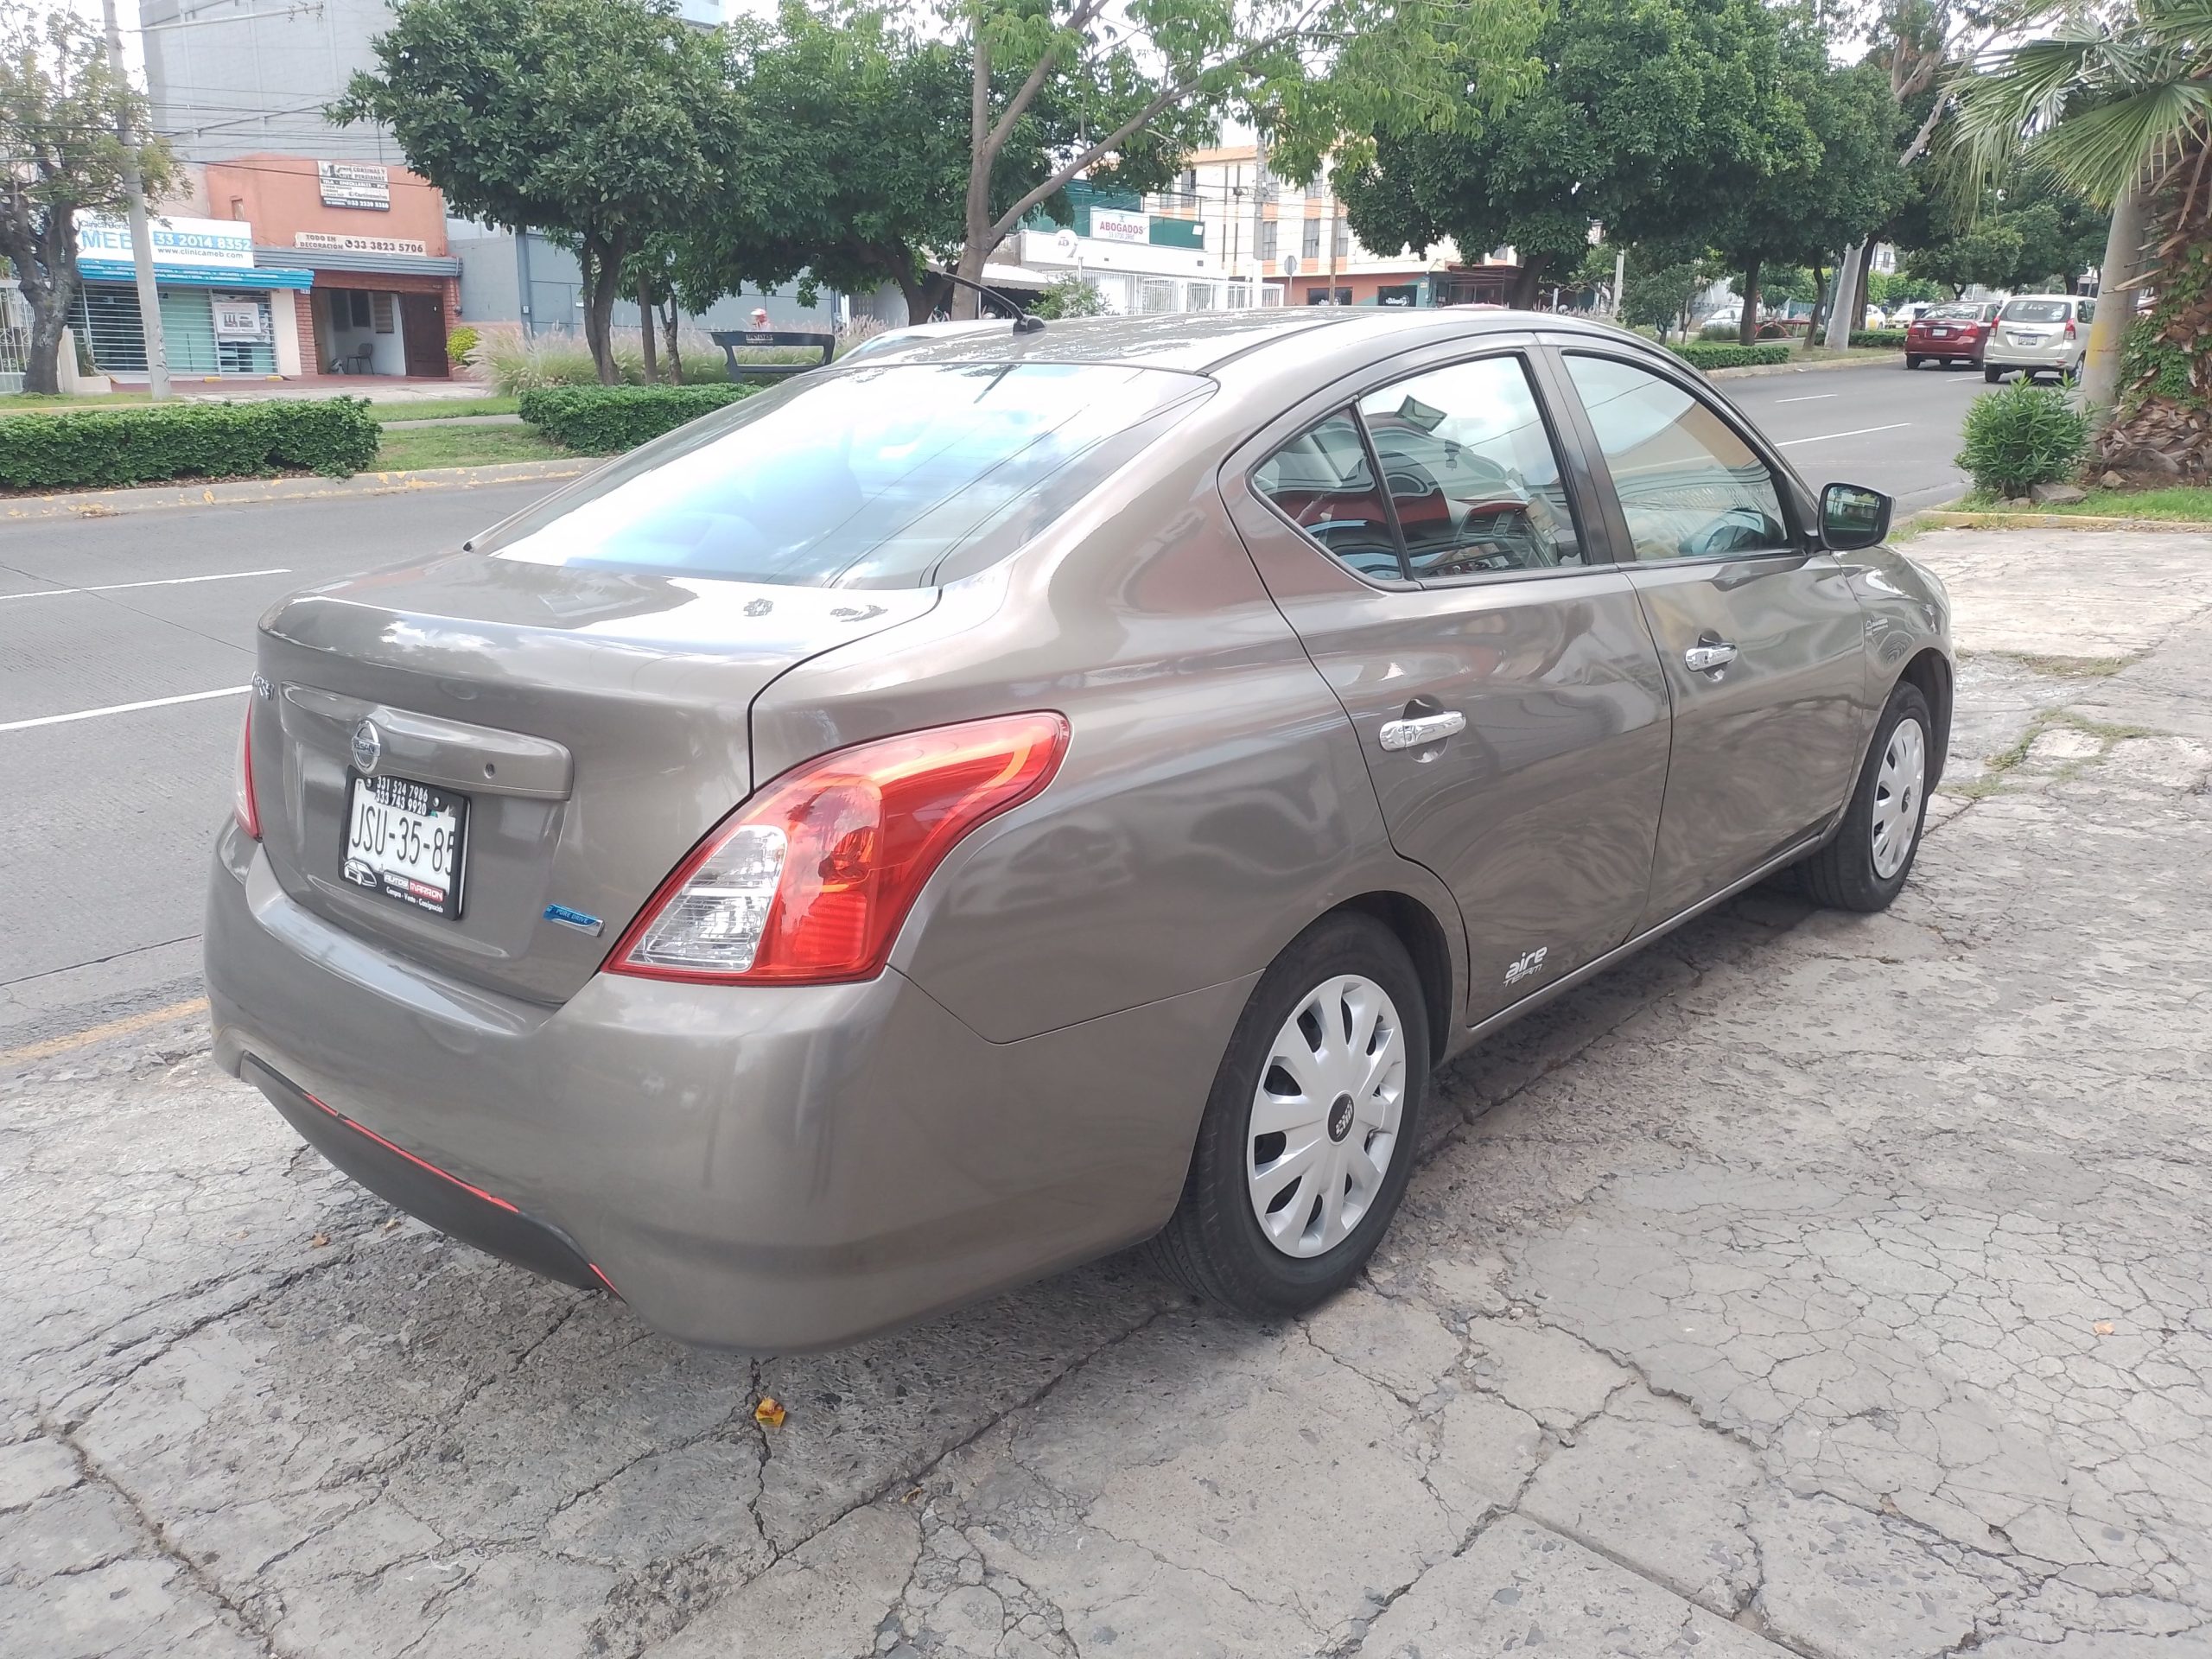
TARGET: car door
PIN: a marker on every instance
(1761, 638)
(1494, 662)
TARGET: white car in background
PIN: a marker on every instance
(2039, 333)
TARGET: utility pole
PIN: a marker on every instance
(1620, 281)
(141, 237)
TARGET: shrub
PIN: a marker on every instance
(98, 448)
(1890, 340)
(601, 420)
(460, 342)
(2023, 436)
(1713, 354)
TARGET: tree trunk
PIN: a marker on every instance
(42, 368)
(670, 319)
(646, 328)
(1747, 326)
(602, 274)
(2115, 302)
(1847, 284)
(1860, 291)
(1814, 322)
(975, 217)
(1530, 281)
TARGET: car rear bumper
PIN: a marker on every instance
(1968, 349)
(764, 1169)
(2003, 355)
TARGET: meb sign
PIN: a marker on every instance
(226, 244)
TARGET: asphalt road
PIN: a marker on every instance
(110, 803)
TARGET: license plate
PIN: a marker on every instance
(1940, 333)
(404, 840)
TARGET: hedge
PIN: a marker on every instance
(1888, 338)
(1713, 354)
(95, 448)
(603, 420)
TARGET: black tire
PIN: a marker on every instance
(1841, 876)
(1213, 1243)
(1912, 362)
(1990, 374)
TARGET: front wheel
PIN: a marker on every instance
(1307, 1140)
(1865, 863)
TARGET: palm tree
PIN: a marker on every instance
(2117, 104)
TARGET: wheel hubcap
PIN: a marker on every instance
(1897, 788)
(1323, 1125)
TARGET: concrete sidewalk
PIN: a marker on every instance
(1814, 1284)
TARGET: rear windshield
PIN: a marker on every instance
(868, 478)
(2034, 311)
(1954, 313)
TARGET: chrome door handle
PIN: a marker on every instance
(1708, 654)
(1419, 733)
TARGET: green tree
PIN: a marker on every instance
(1307, 72)
(1827, 178)
(1985, 253)
(1663, 286)
(1069, 296)
(600, 121)
(2117, 104)
(1658, 117)
(61, 111)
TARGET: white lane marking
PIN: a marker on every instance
(1857, 432)
(1812, 397)
(123, 709)
(164, 582)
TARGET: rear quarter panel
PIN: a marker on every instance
(1212, 802)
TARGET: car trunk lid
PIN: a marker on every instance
(591, 722)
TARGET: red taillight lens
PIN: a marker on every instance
(244, 806)
(2069, 331)
(809, 882)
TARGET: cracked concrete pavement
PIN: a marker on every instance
(1819, 1284)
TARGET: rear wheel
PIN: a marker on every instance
(1866, 862)
(1308, 1136)
(1912, 362)
(1990, 374)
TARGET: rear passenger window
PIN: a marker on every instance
(1471, 471)
(1322, 482)
(1689, 485)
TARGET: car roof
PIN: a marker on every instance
(1194, 342)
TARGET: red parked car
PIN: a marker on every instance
(1958, 333)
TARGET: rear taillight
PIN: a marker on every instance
(244, 806)
(2070, 330)
(809, 882)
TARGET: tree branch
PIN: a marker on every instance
(1081, 18)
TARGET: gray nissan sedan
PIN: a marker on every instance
(1019, 792)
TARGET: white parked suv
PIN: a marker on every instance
(2039, 333)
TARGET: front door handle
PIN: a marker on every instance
(1709, 654)
(1423, 730)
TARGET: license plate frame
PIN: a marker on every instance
(406, 885)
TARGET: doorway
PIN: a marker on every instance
(422, 334)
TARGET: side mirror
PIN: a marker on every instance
(1853, 516)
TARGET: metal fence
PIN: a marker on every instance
(15, 335)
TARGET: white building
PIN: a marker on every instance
(1232, 235)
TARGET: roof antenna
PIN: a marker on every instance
(1023, 323)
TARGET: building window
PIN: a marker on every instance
(1199, 297)
(1342, 242)
(1268, 239)
(1155, 294)
(1188, 183)
(1310, 240)
(381, 308)
(357, 306)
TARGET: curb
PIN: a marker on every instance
(246, 491)
(1939, 519)
(1759, 371)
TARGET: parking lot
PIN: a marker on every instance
(1812, 1284)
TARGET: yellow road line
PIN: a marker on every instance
(122, 1027)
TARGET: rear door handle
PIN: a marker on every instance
(1709, 654)
(1419, 733)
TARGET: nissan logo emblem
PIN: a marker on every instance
(368, 746)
